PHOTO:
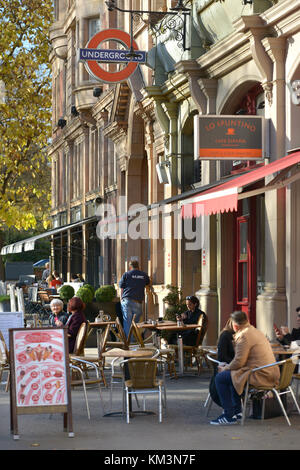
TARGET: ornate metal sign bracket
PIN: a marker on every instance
(159, 22)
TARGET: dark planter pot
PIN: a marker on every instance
(91, 312)
(5, 306)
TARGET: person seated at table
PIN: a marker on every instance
(56, 281)
(225, 345)
(75, 278)
(50, 289)
(75, 308)
(58, 316)
(252, 349)
(80, 277)
(283, 334)
(190, 317)
(225, 354)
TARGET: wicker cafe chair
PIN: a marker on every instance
(168, 354)
(44, 298)
(4, 361)
(95, 359)
(117, 373)
(284, 387)
(80, 339)
(196, 351)
(120, 334)
(143, 381)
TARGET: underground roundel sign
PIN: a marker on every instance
(92, 54)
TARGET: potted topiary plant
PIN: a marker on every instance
(4, 303)
(174, 306)
(173, 300)
(85, 294)
(66, 293)
(105, 299)
(90, 287)
(105, 294)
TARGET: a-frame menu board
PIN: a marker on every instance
(40, 374)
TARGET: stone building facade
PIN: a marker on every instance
(109, 139)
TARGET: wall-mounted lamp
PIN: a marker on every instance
(111, 5)
(261, 105)
(98, 200)
(97, 92)
(247, 1)
(163, 172)
(61, 123)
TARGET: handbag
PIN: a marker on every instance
(272, 407)
(213, 391)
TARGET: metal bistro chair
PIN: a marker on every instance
(33, 294)
(143, 381)
(98, 358)
(284, 387)
(78, 365)
(4, 361)
(209, 401)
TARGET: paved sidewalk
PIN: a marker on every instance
(184, 427)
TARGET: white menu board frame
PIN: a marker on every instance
(40, 374)
(10, 320)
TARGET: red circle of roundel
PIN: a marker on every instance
(106, 35)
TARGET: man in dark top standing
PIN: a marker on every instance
(132, 285)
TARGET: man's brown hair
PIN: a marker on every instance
(134, 264)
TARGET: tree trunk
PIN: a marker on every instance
(2, 267)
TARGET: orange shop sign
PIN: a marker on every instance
(229, 137)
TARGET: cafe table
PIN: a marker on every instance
(128, 354)
(152, 326)
(284, 351)
(174, 328)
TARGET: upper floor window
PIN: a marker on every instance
(94, 26)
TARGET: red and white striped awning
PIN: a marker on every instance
(224, 198)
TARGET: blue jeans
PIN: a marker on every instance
(130, 308)
(230, 400)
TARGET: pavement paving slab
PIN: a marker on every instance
(185, 425)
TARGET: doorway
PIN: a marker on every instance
(245, 258)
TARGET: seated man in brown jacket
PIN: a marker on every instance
(252, 349)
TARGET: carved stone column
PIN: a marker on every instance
(272, 303)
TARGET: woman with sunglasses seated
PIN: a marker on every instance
(283, 334)
(190, 317)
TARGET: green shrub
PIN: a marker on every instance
(66, 293)
(105, 294)
(4, 298)
(85, 294)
